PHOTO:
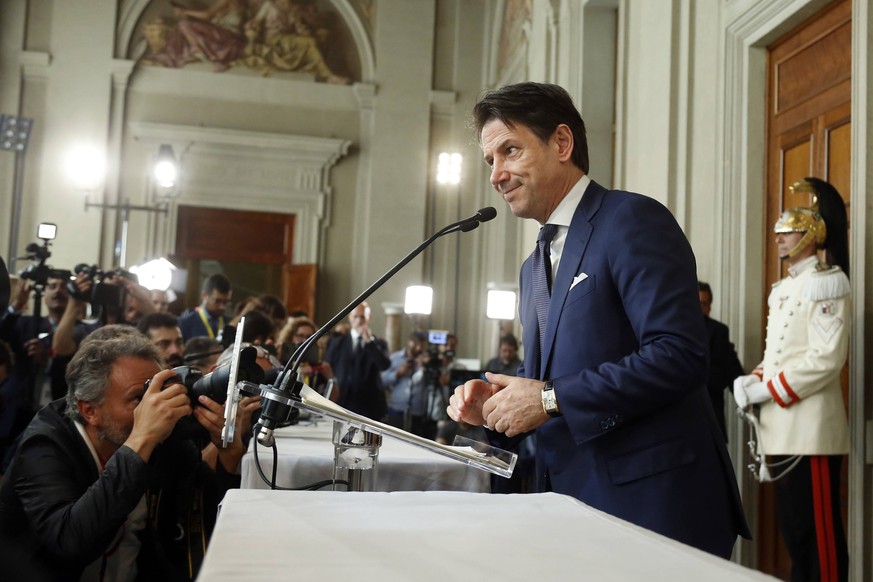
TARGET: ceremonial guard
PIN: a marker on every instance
(801, 428)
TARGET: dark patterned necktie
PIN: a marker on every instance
(542, 277)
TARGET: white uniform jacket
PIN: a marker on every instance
(807, 343)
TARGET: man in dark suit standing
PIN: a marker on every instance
(724, 365)
(614, 372)
(357, 359)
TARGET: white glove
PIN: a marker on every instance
(740, 383)
(757, 393)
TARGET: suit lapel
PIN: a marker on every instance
(571, 260)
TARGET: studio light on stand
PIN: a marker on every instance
(419, 300)
(501, 308)
(155, 274)
(500, 304)
(449, 175)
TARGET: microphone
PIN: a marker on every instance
(278, 398)
(485, 214)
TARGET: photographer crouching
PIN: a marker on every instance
(102, 486)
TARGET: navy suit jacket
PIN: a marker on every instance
(724, 366)
(626, 349)
(360, 376)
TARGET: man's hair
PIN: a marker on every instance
(704, 287)
(258, 326)
(88, 372)
(538, 106)
(509, 340)
(273, 306)
(216, 282)
(202, 345)
(157, 320)
(109, 332)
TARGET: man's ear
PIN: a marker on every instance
(563, 140)
(88, 410)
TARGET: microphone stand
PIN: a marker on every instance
(288, 392)
(279, 397)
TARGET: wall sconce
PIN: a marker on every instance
(166, 170)
(419, 300)
(500, 304)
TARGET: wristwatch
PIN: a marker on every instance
(550, 401)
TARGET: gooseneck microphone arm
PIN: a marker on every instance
(278, 395)
(465, 225)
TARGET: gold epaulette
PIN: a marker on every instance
(830, 283)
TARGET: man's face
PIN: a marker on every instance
(170, 344)
(507, 353)
(786, 241)
(114, 416)
(524, 170)
(160, 301)
(705, 302)
(55, 295)
(414, 347)
(216, 302)
(359, 317)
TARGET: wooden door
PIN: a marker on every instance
(254, 249)
(808, 133)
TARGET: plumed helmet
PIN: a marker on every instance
(805, 220)
(825, 222)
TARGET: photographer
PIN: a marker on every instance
(103, 484)
(405, 380)
(38, 374)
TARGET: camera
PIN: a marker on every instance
(38, 271)
(102, 293)
(214, 384)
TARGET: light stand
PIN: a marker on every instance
(125, 209)
(15, 136)
(165, 173)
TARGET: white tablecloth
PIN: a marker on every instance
(441, 536)
(305, 456)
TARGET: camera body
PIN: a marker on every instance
(435, 350)
(102, 293)
(38, 271)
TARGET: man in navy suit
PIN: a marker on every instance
(358, 359)
(616, 387)
(724, 364)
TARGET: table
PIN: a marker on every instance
(441, 536)
(305, 456)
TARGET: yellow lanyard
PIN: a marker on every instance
(205, 321)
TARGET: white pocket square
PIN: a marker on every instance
(578, 279)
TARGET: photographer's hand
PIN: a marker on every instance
(157, 413)
(210, 415)
(20, 296)
(36, 351)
